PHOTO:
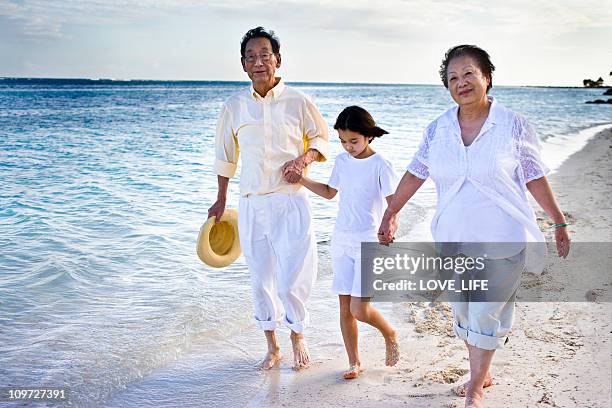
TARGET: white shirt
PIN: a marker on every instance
(268, 132)
(363, 185)
(482, 189)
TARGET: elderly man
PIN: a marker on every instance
(279, 132)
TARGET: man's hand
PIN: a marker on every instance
(293, 169)
(216, 210)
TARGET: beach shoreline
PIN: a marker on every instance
(558, 355)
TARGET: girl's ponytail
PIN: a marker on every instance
(358, 120)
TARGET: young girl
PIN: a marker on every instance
(364, 179)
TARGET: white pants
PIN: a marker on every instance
(279, 245)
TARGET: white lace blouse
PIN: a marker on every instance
(482, 188)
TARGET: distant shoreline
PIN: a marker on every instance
(114, 81)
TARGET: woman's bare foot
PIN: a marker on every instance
(473, 398)
(271, 360)
(461, 390)
(392, 354)
(353, 372)
(301, 356)
(473, 402)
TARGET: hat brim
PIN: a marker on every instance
(219, 244)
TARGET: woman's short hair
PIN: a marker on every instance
(482, 58)
(358, 120)
(260, 32)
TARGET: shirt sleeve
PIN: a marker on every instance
(226, 145)
(388, 179)
(334, 179)
(315, 131)
(419, 166)
(529, 150)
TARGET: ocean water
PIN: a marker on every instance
(103, 188)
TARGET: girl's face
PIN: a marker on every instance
(354, 143)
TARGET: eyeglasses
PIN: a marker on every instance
(265, 57)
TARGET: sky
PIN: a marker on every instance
(531, 42)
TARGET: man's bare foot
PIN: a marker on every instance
(353, 372)
(461, 390)
(301, 356)
(271, 360)
(392, 353)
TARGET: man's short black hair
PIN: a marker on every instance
(482, 58)
(260, 32)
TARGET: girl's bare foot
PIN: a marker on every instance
(271, 360)
(353, 372)
(392, 351)
(461, 390)
(301, 356)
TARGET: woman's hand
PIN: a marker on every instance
(388, 227)
(543, 194)
(409, 184)
(563, 241)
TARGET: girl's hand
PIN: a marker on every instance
(563, 241)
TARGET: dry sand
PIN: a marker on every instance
(559, 354)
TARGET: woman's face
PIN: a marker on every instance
(466, 82)
(354, 143)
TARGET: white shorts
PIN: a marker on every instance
(346, 263)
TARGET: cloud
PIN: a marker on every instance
(77, 37)
(383, 18)
(423, 20)
(39, 19)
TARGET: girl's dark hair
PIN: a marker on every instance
(260, 32)
(482, 58)
(358, 120)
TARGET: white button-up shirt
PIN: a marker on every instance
(482, 188)
(267, 132)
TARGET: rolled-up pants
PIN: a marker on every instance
(279, 246)
(484, 323)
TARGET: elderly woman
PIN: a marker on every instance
(482, 158)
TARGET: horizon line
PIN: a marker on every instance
(3, 78)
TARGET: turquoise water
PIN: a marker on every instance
(103, 188)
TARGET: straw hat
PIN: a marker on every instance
(218, 245)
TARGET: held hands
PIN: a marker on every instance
(216, 210)
(388, 227)
(293, 169)
(563, 241)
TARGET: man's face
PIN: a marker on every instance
(259, 62)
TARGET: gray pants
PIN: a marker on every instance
(484, 318)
